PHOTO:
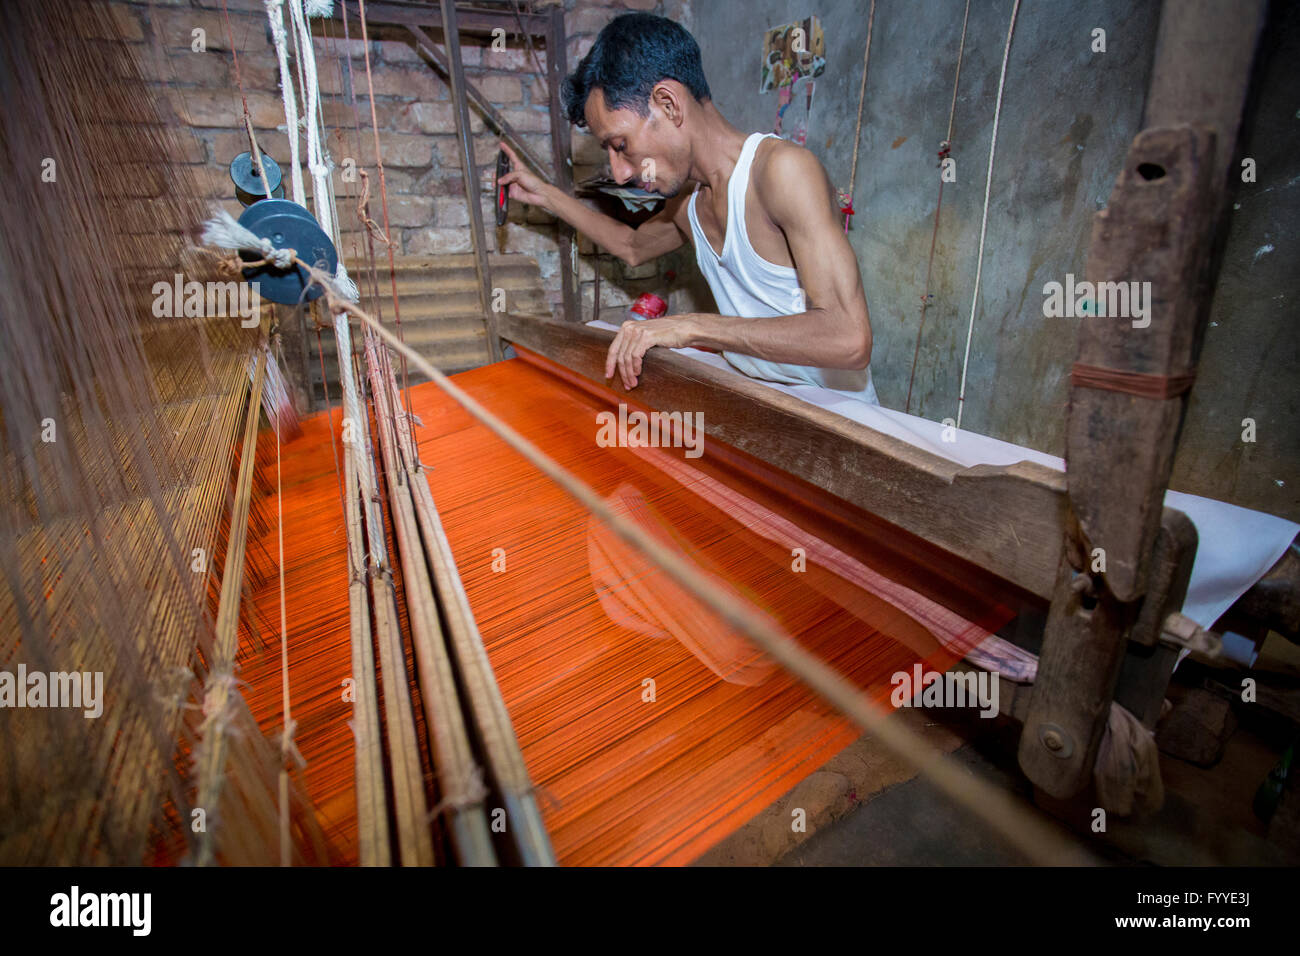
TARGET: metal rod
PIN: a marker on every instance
(469, 173)
(490, 113)
(561, 156)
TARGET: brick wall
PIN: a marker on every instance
(195, 75)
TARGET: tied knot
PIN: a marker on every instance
(280, 258)
(469, 791)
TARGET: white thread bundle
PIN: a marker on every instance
(275, 17)
(224, 231)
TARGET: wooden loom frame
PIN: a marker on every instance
(1024, 523)
(456, 19)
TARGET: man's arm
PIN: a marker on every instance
(832, 331)
(653, 238)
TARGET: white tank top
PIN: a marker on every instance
(747, 285)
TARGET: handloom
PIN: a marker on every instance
(441, 623)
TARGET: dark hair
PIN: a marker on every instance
(633, 53)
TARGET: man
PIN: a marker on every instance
(762, 216)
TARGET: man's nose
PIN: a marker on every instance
(619, 168)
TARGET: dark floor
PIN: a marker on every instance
(913, 824)
(1207, 817)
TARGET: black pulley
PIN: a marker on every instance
(288, 226)
(248, 182)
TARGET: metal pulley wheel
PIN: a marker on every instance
(248, 182)
(288, 226)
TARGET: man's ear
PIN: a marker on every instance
(667, 95)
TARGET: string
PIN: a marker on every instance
(1141, 384)
(275, 17)
(944, 152)
(984, 217)
(383, 199)
(862, 98)
(254, 152)
(286, 745)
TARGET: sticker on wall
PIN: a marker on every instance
(800, 96)
(790, 52)
(792, 55)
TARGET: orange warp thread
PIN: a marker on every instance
(649, 728)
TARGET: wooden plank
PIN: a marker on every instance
(395, 13)
(469, 174)
(490, 113)
(1153, 237)
(1006, 519)
(1274, 601)
(562, 158)
(1202, 68)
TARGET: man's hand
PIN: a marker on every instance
(524, 186)
(637, 337)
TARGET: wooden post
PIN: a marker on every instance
(469, 173)
(1154, 244)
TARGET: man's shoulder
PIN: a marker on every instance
(788, 178)
(779, 163)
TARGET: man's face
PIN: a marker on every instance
(644, 151)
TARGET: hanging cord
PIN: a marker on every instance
(996, 807)
(257, 155)
(329, 414)
(945, 150)
(275, 17)
(322, 187)
(253, 149)
(388, 229)
(984, 219)
(847, 208)
(288, 748)
(371, 229)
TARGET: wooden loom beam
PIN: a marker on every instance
(453, 755)
(479, 21)
(372, 814)
(486, 705)
(1007, 519)
(414, 844)
(211, 754)
(1159, 234)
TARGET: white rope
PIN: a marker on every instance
(984, 219)
(343, 283)
(322, 201)
(320, 174)
(222, 230)
(275, 17)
